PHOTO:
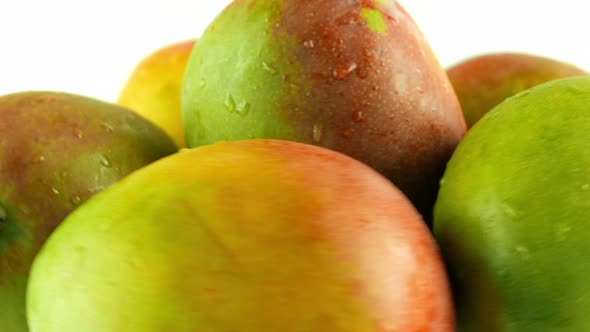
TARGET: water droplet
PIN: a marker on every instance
(243, 108)
(347, 133)
(96, 189)
(562, 231)
(420, 90)
(586, 187)
(106, 127)
(136, 262)
(229, 103)
(202, 84)
(269, 68)
(104, 161)
(401, 83)
(343, 72)
(357, 116)
(309, 44)
(509, 211)
(80, 253)
(78, 133)
(522, 94)
(38, 159)
(318, 132)
(348, 18)
(523, 252)
(54, 191)
(442, 182)
(105, 225)
(75, 199)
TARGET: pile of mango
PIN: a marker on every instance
(301, 166)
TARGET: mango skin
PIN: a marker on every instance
(153, 89)
(484, 81)
(357, 77)
(512, 214)
(56, 151)
(243, 236)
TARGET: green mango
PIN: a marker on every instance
(250, 236)
(485, 81)
(56, 151)
(357, 77)
(511, 217)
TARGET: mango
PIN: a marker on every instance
(252, 236)
(357, 77)
(511, 217)
(484, 81)
(153, 89)
(56, 151)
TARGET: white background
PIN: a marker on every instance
(91, 47)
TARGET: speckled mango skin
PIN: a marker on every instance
(484, 81)
(56, 151)
(357, 77)
(511, 217)
(153, 89)
(256, 236)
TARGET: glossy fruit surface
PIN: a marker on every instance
(357, 77)
(511, 215)
(243, 236)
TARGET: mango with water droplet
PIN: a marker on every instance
(250, 236)
(484, 81)
(52, 150)
(154, 87)
(308, 69)
(511, 217)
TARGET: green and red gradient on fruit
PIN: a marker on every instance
(256, 235)
(357, 77)
(485, 81)
(56, 151)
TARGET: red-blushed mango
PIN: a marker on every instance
(153, 90)
(357, 77)
(56, 151)
(250, 236)
(484, 81)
